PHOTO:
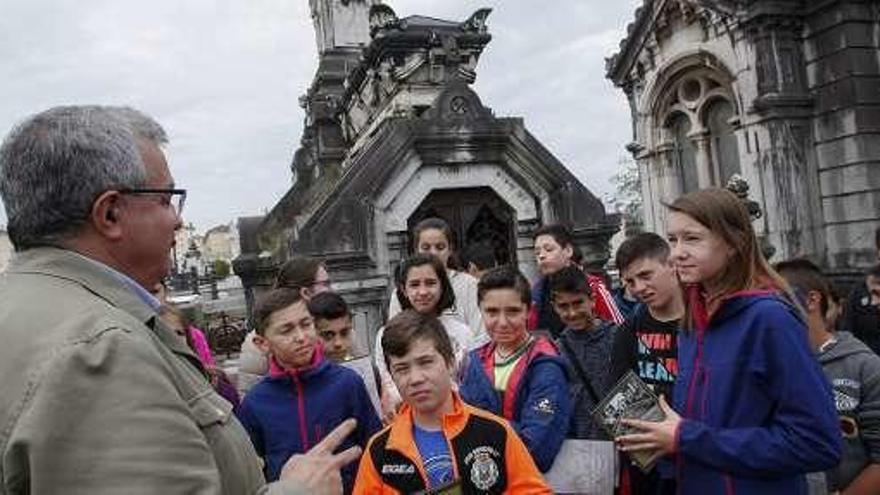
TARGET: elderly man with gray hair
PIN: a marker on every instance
(97, 395)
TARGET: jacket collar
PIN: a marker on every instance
(705, 309)
(106, 283)
(318, 364)
(94, 276)
(401, 436)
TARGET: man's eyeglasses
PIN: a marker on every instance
(167, 196)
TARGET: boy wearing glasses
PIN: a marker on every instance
(305, 395)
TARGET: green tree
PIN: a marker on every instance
(222, 269)
(627, 199)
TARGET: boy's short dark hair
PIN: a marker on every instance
(877, 238)
(639, 246)
(271, 302)
(408, 326)
(504, 277)
(328, 306)
(804, 276)
(569, 280)
(560, 233)
(481, 254)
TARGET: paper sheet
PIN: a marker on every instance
(586, 467)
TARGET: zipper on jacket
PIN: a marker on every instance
(455, 474)
(728, 485)
(689, 401)
(301, 406)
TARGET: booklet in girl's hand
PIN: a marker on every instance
(630, 398)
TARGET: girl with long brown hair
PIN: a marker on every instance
(752, 411)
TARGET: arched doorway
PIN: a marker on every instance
(475, 215)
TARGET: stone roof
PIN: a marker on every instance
(618, 65)
(219, 229)
(613, 63)
(428, 22)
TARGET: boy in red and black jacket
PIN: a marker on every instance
(555, 250)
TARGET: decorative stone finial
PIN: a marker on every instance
(382, 17)
(477, 21)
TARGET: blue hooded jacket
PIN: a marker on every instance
(289, 412)
(536, 403)
(757, 410)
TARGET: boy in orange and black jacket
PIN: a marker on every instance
(437, 442)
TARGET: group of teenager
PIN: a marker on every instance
(475, 383)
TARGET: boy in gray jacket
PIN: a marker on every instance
(854, 372)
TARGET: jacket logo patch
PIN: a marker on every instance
(398, 469)
(845, 402)
(545, 406)
(484, 471)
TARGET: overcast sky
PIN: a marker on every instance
(223, 77)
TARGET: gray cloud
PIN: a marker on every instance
(223, 77)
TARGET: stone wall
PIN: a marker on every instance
(842, 55)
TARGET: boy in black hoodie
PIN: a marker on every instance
(854, 372)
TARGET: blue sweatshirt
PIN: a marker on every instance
(757, 411)
(288, 414)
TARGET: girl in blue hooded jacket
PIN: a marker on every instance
(752, 410)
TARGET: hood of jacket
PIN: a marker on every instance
(846, 345)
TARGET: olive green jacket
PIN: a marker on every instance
(97, 396)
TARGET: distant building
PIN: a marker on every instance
(784, 92)
(220, 243)
(186, 244)
(394, 134)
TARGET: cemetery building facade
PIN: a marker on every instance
(784, 93)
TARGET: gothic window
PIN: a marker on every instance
(724, 150)
(684, 156)
(699, 114)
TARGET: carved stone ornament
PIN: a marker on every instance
(382, 17)
(458, 105)
(477, 21)
(740, 187)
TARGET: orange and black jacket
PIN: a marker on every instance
(488, 457)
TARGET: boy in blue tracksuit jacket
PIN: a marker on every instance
(305, 396)
(536, 402)
(757, 412)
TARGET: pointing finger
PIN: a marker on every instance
(335, 438)
(346, 457)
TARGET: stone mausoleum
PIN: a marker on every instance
(785, 93)
(394, 134)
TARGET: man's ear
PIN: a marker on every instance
(104, 217)
(568, 251)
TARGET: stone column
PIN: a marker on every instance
(704, 159)
(648, 175)
(670, 184)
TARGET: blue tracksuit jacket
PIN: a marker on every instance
(758, 411)
(289, 414)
